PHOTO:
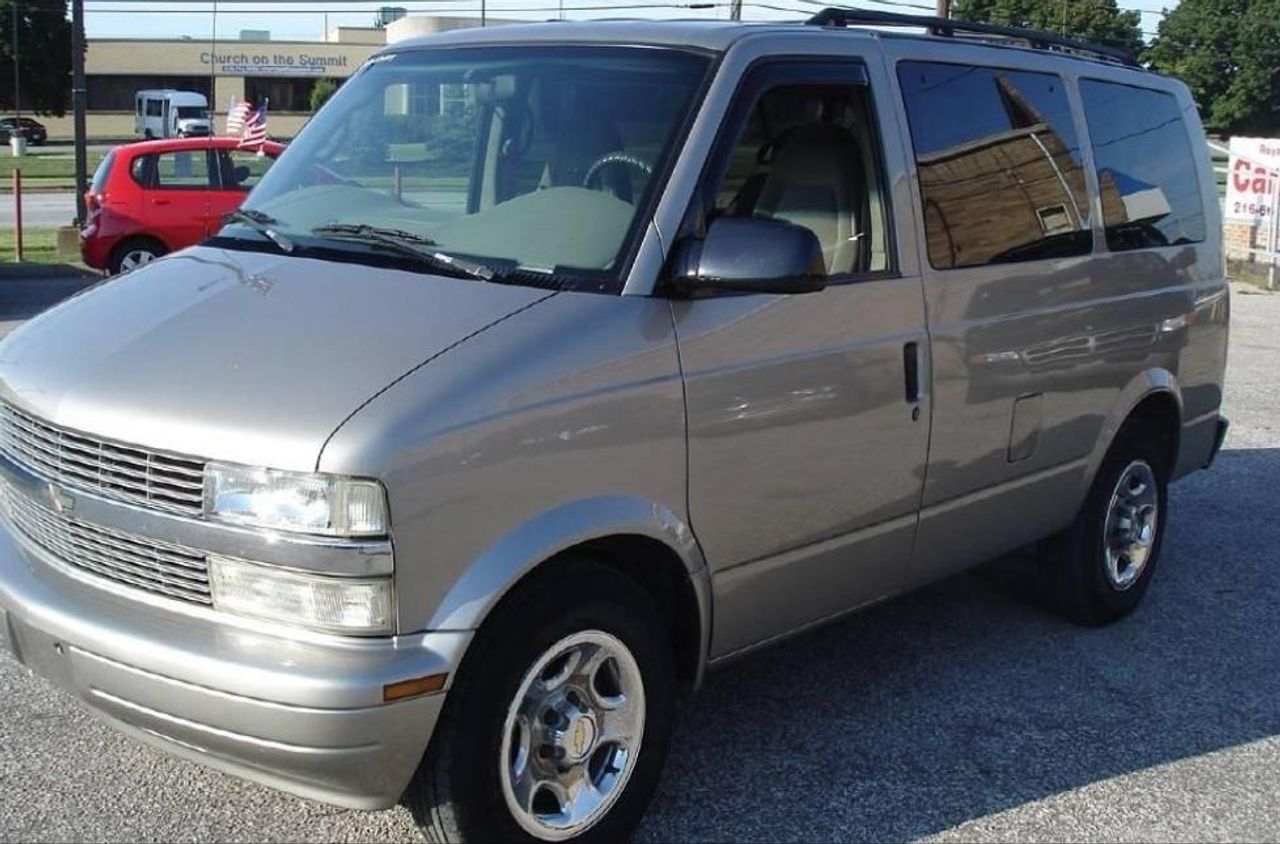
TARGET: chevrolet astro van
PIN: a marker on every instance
(553, 364)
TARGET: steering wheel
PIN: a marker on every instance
(613, 159)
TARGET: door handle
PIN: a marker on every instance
(911, 375)
(159, 202)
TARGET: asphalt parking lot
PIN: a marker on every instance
(957, 713)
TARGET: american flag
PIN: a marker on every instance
(236, 116)
(255, 127)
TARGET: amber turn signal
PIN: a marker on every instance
(413, 688)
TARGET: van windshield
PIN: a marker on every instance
(537, 162)
(193, 113)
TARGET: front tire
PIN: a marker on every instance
(1103, 565)
(557, 726)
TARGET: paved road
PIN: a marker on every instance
(21, 299)
(957, 713)
(39, 210)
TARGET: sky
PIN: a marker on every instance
(308, 20)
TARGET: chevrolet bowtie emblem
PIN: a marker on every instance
(62, 502)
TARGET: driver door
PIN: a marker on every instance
(807, 431)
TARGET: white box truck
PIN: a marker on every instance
(171, 114)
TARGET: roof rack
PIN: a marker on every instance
(836, 16)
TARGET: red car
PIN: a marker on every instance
(155, 197)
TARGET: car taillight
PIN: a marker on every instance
(93, 202)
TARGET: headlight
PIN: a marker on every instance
(334, 604)
(329, 505)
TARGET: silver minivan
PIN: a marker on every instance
(553, 364)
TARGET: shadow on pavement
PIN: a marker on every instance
(958, 702)
(28, 289)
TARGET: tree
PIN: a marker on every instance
(1101, 21)
(44, 55)
(1227, 52)
(321, 91)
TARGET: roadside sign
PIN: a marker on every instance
(1252, 180)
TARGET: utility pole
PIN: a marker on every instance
(77, 105)
(213, 65)
(482, 14)
(943, 8)
(735, 10)
(17, 88)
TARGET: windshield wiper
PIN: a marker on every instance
(261, 223)
(407, 243)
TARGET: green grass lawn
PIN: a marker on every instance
(39, 246)
(44, 171)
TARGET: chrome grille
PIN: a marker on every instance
(165, 569)
(112, 470)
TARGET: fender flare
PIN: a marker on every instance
(495, 571)
(1145, 384)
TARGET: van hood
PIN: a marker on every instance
(239, 356)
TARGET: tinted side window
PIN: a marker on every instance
(185, 170)
(1146, 172)
(809, 154)
(239, 170)
(1001, 177)
(141, 168)
(154, 108)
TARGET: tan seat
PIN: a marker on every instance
(817, 182)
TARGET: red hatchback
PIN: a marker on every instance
(155, 197)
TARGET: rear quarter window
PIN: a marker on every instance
(999, 164)
(1147, 173)
(100, 176)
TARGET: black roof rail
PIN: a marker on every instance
(842, 17)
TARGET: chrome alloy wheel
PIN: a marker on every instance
(572, 735)
(1132, 519)
(135, 258)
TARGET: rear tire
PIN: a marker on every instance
(529, 715)
(1101, 567)
(134, 253)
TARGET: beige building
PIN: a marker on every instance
(253, 69)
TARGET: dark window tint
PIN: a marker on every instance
(105, 92)
(1001, 177)
(1146, 172)
(141, 168)
(282, 93)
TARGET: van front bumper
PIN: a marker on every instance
(302, 714)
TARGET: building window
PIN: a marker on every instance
(999, 164)
(1146, 171)
(282, 93)
(105, 92)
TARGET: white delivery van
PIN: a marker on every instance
(171, 114)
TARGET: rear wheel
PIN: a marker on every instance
(134, 253)
(557, 727)
(1102, 566)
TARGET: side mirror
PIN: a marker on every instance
(748, 255)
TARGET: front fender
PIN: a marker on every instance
(505, 562)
